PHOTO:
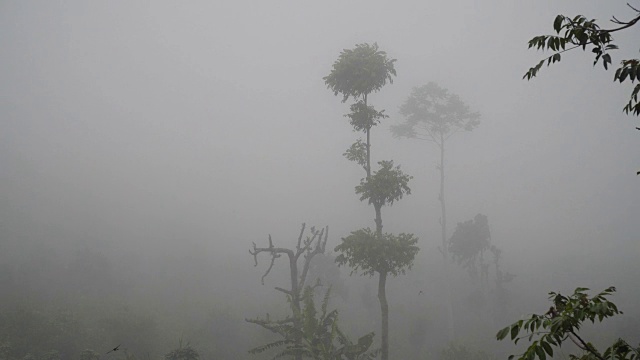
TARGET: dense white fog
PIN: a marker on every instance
(144, 146)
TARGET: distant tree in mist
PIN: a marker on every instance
(470, 246)
(434, 114)
(356, 74)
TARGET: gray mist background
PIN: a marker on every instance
(170, 130)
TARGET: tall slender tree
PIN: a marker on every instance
(357, 73)
(434, 114)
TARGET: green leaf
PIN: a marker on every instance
(557, 23)
(540, 353)
(502, 333)
(514, 331)
(624, 74)
(606, 58)
(547, 348)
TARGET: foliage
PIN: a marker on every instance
(580, 32)
(183, 352)
(357, 153)
(363, 117)
(385, 186)
(431, 112)
(357, 73)
(468, 243)
(470, 239)
(321, 336)
(367, 252)
(562, 321)
(43, 334)
(461, 352)
(360, 71)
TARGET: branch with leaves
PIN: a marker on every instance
(580, 32)
(319, 337)
(562, 322)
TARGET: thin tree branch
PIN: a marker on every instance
(624, 24)
(283, 290)
(584, 345)
(319, 249)
(300, 236)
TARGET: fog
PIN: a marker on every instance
(144, 146)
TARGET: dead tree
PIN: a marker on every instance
(313, 244)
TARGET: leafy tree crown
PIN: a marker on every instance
(360, 71)
(431, 110)
(386, 185)
(367, 252)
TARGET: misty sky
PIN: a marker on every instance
(207, 124)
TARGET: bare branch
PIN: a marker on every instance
(300, 236)
(625, 24)
(583, 345)
(283, 290)
(273, 260)
(269, 321)
(255, 254)
(275, 253)
(319, 249)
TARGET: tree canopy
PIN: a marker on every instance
(432, 111)
(469, 240)
(360, 71)
(386, 185)
(367, 252)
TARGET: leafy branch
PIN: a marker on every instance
(582, 32)
(562, 322)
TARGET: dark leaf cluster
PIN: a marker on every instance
(580, 32)
(363, 117)
(385, 186)
(357, 152)
(562, 322)
(319, 337)
(367, 252)
(469, 240)
(630, 70)
(360, 71)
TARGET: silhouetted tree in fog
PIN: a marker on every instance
(357, 73)
(434, 114)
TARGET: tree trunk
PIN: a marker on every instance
(295, 298)
(368, 145)
(444, 248)
(378, 219)
(384, 310)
